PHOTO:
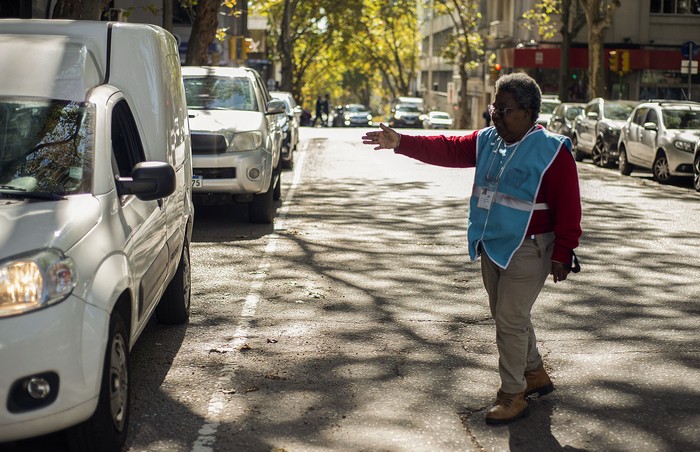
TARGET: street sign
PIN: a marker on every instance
(686, 64)
(685, 49)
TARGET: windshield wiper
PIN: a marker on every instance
(21, 193)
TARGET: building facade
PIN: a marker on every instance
(651, 39)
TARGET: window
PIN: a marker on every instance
(675, 6)
(126, 142)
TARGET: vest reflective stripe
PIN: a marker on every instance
(500, 229)
(509, 201)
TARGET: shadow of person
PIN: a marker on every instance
(534, 433)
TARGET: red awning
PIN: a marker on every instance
(548, 58)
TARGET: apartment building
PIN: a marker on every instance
(654, 37)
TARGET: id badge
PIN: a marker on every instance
(485, 198)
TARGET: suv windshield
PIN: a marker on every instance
(618, 111)
(355, 108)
(408, 108)
(220, 93)
(685, 118)
(46, 145)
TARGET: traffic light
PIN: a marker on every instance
(614, 60)
(496, 71)
(625, 61)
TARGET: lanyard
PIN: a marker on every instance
(497, 150)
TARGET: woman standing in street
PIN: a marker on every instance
(524, 223)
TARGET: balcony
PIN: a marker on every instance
(500, 29)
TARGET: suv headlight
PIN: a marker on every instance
(245, 141)
(684, 145)
(35, 281)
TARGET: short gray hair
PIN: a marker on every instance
(525, 91)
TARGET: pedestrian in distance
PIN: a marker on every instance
(319, 110)
(524, 223)
(326, 110)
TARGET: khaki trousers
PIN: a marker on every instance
(512, 293)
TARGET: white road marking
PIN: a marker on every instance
(207, 433)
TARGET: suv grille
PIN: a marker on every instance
(215, 173)
(204, 143)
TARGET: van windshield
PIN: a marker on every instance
(46, 145)
(220, 93)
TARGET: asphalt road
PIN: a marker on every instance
(357, 322)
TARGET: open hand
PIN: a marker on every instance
(386, 138)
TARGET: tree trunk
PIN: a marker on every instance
(598, 20)
(203, 32)
(79, 9)
(464, 110)
(285, 48)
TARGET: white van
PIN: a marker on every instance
(95, 219)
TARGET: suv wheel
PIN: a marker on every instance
(174, 306)
(660, 169)
(262, 209)
(578, 155)
(623, 165)
(696, 172)
(288, 163)
(107, 427)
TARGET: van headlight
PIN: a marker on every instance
(246, 141)
(35, 281)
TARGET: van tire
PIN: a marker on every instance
(105, 431)
(174, 306)
(262, 209)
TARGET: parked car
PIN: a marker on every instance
(549, 103)
(661, 136)
(437, 120)
(597, 130)
(356, 115)
(290, 127)
(696, 166)
(236, 138)
(406, 115)
(562, 119)
(95, 221)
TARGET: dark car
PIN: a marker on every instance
(562, 119)
(597, 130)
(406, 115)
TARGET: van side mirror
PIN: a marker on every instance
(650, 126)
(592, 115)
(149, 181)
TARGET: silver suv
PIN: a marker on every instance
(660, 136)
(236, 138)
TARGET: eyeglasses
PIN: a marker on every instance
(501, 112)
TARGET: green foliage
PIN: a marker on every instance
(354, 50)
(540, 18)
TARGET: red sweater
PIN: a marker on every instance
(559, 187)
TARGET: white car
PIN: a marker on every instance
(95, 219)
(549, 104)
(290, 127)
(236, 138)
(437, 120)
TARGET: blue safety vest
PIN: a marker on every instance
(501, 227)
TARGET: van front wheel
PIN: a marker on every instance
(106, 429)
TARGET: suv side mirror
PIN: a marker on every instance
(276, 106)
(149, 181)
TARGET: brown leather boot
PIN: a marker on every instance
(538, 382)
(507, 408)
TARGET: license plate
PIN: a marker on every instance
(197, 181)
